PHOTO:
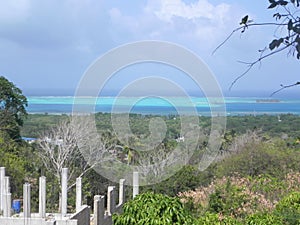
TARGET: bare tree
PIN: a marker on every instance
(154, 163)
(240, 143)
(74, 143)
(93, 147)
(58, 149)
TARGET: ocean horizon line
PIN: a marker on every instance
(170, 96)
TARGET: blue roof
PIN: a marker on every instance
(28, 139)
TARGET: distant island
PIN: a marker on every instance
(267, 100)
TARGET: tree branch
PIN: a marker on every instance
(243, 29)
(284, 87)
(257, 61)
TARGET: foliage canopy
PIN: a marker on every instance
(12, 108)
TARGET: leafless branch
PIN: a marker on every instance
(75, 144)
(243, 28)
(284, 87)
(251, 64)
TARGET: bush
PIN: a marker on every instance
(157, 209)
(216, 219)
(187, 178)
(256, 158)
(229, 200)
(289, 208)
(263, 219)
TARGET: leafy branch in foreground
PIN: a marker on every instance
(288, 22)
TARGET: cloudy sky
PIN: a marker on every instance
(46, 46)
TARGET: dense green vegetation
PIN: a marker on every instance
(271, 126)
(17, 156)
(254, 180)
(12, 108)
(257, 169)
(153, 209)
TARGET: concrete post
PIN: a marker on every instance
(78, 194)
(98, 210)
(6, 196)
(121, 192)
(6, 186)
(111, 200)
(135, 184)
(7, 204)
(42, 197)
(64, 191)
(2, 175)
(26, 200)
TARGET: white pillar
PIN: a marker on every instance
(6, 186)
(135, 184)
(6, 196)
(111, 200)
(2, 175)
(98, 210)
(26, 200)
(78, 194)
(64, 191)
(121, 192)
(7, 204)
(42, 197)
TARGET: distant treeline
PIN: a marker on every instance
(286, 125)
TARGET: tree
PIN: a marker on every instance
(72, 144)
(287, 28)
(12, 108)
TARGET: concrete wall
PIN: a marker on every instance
(25, 221)
(83, 216)
(66, 222)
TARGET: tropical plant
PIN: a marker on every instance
(153, 209)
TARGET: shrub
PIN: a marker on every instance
(263, 219)
(216, 219)
(289, 208)
(157, 209)
(230, 196)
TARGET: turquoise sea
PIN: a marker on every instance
(164, 105)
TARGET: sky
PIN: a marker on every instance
(47, 46)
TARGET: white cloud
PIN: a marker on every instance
(14, 10)
(200, 20)
(201, 9)
(175, 20)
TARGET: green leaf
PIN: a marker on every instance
(298, 2)
(273, 5)
(298, 48)
(275, 43)
(282, 2)
(277, 16)
(296, 29)
(290, 25)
